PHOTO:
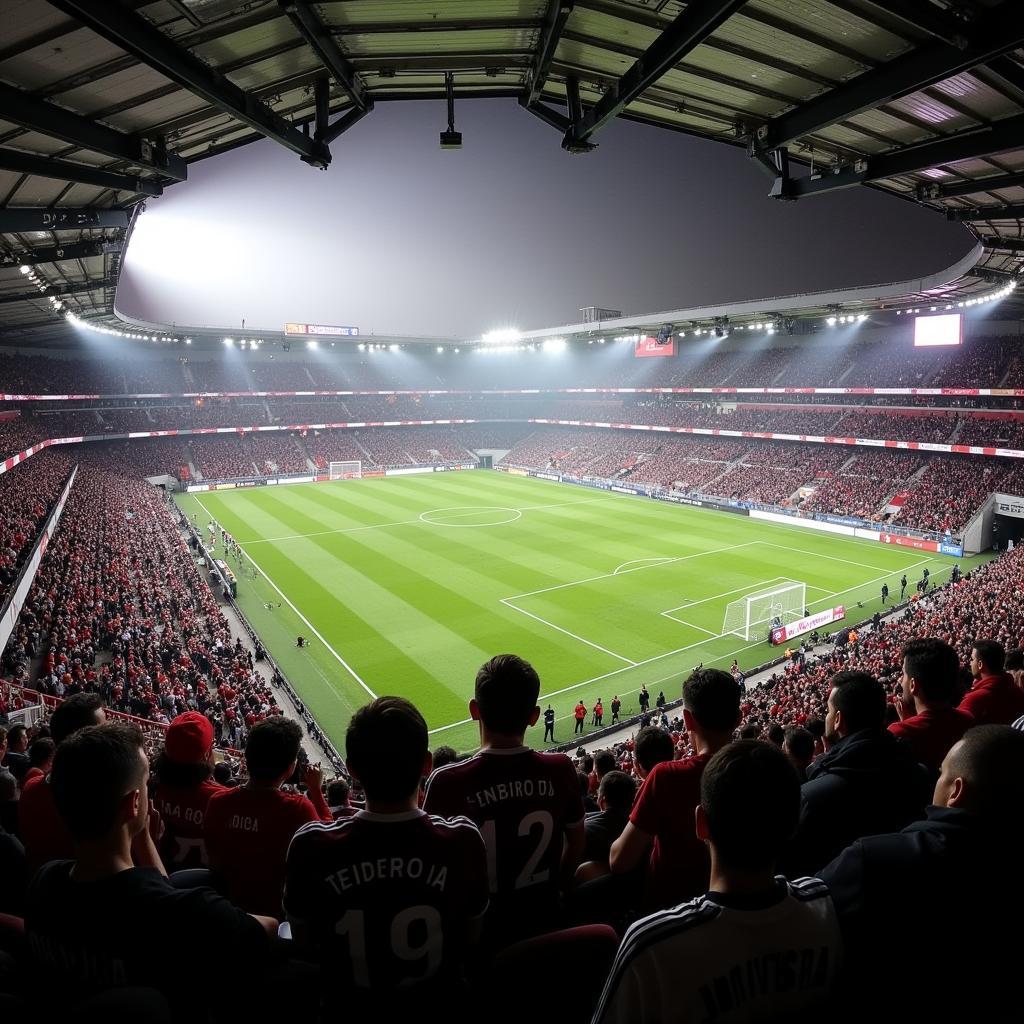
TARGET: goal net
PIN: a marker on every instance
(345, 470)
(752, 617)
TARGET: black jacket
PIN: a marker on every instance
(867, 783)
(931, 915)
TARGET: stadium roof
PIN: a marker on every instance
(106, 102)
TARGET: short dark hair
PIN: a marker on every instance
(222, 773)
(92, 771)
(935, 667)
(588, 764)
(15, 732)
(860, 697)
(653, 745)
(445, 755)
(386, 745)
(799, 742)
(506, 692)
(776, 734)
(816, 727)
(604, 762)
(992, 653)
(337, 792)
(713, 698)
(1014, 660)
(40, 751)
(991, 759)
(618, 790)
(272, 746)
(751, 798)
(77, 712)
(750, 732)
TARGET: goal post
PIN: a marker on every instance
(345, 470)
(753, 616)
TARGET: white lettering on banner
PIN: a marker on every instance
(1010, 505)
(783, 633)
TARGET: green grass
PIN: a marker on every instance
(410, 600)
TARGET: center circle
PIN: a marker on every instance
(471, 515)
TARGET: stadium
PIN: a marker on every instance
(274, 599)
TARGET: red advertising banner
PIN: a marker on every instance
(652, 347)
(910, 542)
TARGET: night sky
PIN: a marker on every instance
(400, 237)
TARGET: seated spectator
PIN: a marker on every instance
(391, 899)
(732, 954)
(183, 788)
(615, 796)
(16, 758)
(248, 829)
(110, 917)
(40, 758)
(653, 745)
(444, 755)
(867, 781)
(930, 721)
(338, 792)
(798, 746)
(40, 826)
(660, 826)
(526, 803)
(912, 897)
(1015, 666)
(994, 698)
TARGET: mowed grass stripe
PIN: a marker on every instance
(357, 587)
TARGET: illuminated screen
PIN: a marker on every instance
(930, 331)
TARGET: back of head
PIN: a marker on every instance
(618, 790)
(935, 667)
(713, 698)
(507, 688)
(386, 748)
(992, 653)
(860, 697)
(41, 752)
(990, 760)
(776, 734)
(1014, 660)
(799, 744)
(272, 747)
(587, 764)
(93, 770)
(77, 712)
(653, 745)
(337, 792)
(604, 762)
(445, 755)
(751, 799)
(17, 736)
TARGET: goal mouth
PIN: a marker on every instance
(352, 470)
(757, 614)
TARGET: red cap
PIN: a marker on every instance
(189, 738)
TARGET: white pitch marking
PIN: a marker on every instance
(507, 602)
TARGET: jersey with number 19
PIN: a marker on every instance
(523, 801)
(387, 900)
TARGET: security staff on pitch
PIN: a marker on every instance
(549, 724)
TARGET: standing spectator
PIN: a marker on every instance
(661, 824)
(83, 916)
(16, 758)
(182, 789)
(580, 713)
(248, 829)
(1015, 666)
(994, 698)
(390, 870)
(615, 797)
(527, 804)
(40, 826)
(954, 880)
(338, 792)
(867, 782)
(749, 805)
(930, 721)
(798, 746)
(653, 745)
(40, 758)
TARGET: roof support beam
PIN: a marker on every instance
(308, 24)
(47, 167)
(38, 115)
(997, 33)
(41, 218)
(132, 33)
(995, 138)
(1005, 211)
(343, 123)
(558, 15)
(933, 190)
(554, 118)
(57, 290)
(919, 15)
(56, 253)
(686, 32)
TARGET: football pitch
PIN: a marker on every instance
(406, 585)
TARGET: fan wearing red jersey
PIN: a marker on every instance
(390, 899)
(526, 803)
(182, 788)
(248, 829)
